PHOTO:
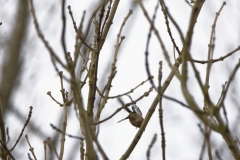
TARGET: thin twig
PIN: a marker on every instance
(101, 93)
(147, 46)
(131, 91)
(203, 146)
(207, 133)
(41, 36)
(50, 95)
(100, 149)
(218, 155)
(215, 60)
(69, 135)
(165, 13)
(25, 125)
(151, 145)
(83, 68)
(101, 15)
(222, 93)
(122, 103)
(225, 113)
(31, 149)
(211, 44)
(64, 125)
(64, 31)
(165, 53)
(161, 112)
(228, 84)
(188, 3)
(45, 149)
(173, 21)
(52, 147)
(107, 16)
(71, 14)
(7, 133)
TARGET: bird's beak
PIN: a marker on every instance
(123, 119)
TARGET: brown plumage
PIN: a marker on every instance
(134, 118)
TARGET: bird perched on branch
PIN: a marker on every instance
(135, 116)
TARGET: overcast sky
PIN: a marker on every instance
(183, 137)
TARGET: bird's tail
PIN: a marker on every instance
(130, 97)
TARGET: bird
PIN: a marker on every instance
(135, 116)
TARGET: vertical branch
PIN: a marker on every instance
(107, 16)
(63, 131)
(203, 144)
(64, 126)
(78, 36)
(109, 22)
(207, 132)
(161, 112)
(13, 61)
(93, 69)
(64, 31)
(207, 129)
(82, 150)
(94, 63)
(2, 124)
(147, 46)
(45, 149)
(85, 125)
(210, 54)
(185, 53)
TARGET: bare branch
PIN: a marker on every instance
(156, 33)
(215, 60)
(31, 148)
(25, 125)
(154, 139)
(41, 36)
